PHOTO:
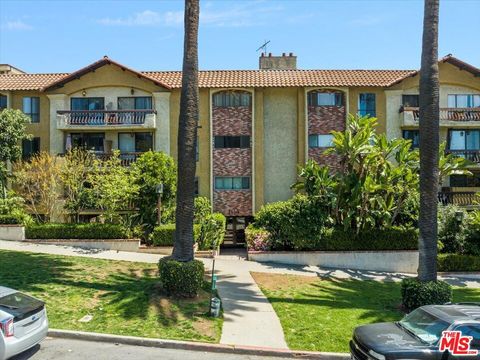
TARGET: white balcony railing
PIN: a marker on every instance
(411, 115)
(68, 119)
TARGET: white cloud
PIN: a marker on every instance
(146, 18)
(16, 25)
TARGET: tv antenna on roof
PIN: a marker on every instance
(264, 46)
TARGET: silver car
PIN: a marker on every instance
(23, 322)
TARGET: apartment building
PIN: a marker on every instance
(255, 126)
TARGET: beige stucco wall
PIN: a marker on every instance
(42, 128)
(280, 142)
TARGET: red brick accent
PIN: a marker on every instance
(324, 119)
(233, 121)
(330, 160)
(233, 202)
(232, 162)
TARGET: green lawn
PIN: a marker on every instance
(123, 297)
(320, 315)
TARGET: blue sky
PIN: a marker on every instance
(62, 36)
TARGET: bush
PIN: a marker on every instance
(183, 279)
(472, 237)
(416, 293)
(458, 262)
(212, 231)
(451, 233)
(203, 208)
(9, 220)
(394, 238)
(76, 231)
(296, 224)
(164, 235)
(257, 239)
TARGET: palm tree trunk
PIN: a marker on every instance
(429, 144)
(187, 136)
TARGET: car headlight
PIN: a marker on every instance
(376, 355)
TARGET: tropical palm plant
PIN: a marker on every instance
(429, 144)
(187, 137)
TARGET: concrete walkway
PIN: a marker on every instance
(249, 318)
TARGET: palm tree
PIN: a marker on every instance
(429, 144)
(187, 136)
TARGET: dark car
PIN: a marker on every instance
(418, 334)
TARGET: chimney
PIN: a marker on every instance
(284, 62)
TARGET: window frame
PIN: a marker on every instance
(313, 98)
(3, 102)
(417, 96)
(135, 133)
(371, 112)
(88, 98)
(34, 116)
(317, 145)
(31, 142)
(244, 179)
(473, 96)
(85, 135)
(413, 146)
(233, 98)
(226, 142)
(449, 139)
(135, 98)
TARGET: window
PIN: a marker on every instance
(222, 142)
(367, 104)
(412, 135)
(30, 147)
(232, 183)
(135, 103)
(465, 181)
(316, 141)
(31, 107)
(316, 98)
(472, 330)
(232, 98)
(85, 103)
(463, 101)
(464, 139)
(135, 142)
(411, 100)
(3, 102)
(89, 141)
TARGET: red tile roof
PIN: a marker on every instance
(235, 78)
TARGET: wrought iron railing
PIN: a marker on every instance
(104, 117)
(446, 114)
(460, 198)
(471, 155)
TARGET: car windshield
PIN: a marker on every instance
(424, 325)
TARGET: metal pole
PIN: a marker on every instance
(159, 210)
(212, 287)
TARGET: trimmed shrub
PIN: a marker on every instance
(416, 293)
(164, 235)
(394, 238)
(212, 231)
(9, 220)
(203, 208)
(257, 239)
(457, 262)
(76, 231)
(182, 279)
(296, 224)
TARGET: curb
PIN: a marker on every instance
(194, 346)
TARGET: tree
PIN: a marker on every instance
(113, 186)
(75, 169)
(429, 144)
(38, 182)
(187, 137)
(150, 170)
(12, 132)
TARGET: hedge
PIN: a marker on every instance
(184, 279)
(164, 235)
(457, 262)
(257, 239)
(76, 231)
(416, 293)
(9, 220)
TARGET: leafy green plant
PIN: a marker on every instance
(164, 235)
(203, 208)
(212, 231)
(182, 279)
(416, 293)
(12, 210)
(257, 239)
(76, 231)
(458, 262)
(150, 170)
(451, 232)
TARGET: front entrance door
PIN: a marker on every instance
(235, 233)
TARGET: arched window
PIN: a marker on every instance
(322, 98)
(232, 98)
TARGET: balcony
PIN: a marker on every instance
(126, 158)
(470, 155)
(459, 198)
(448, 116)
(106, 119)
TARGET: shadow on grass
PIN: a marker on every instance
(130, 292)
